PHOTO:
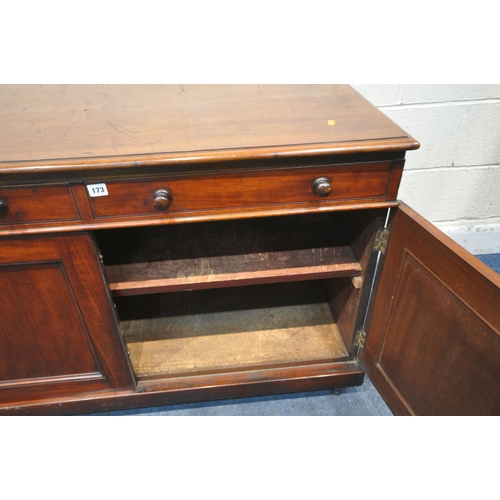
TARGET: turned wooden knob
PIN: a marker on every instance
(322, 186)
(4, 208)
(162, 198)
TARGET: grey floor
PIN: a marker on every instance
(354, 401)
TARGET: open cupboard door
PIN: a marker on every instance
(433, 345)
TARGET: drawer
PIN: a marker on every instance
(256, 190)
(37, 204)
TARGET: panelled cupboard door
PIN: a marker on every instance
(433, 345)
(58, 333)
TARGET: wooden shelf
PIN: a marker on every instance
(212, 331)
(226, 271)
(226, 254)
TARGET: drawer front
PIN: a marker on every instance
(245, 190)
(36, 204)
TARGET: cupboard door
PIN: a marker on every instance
(58, 333)
(433, 346)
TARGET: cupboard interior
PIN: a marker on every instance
(224, 296)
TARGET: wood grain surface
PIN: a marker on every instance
(231, 156)
(434, 342)
(213, 330)
(232, 253)
(48, 127)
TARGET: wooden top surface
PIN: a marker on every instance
(71, 127)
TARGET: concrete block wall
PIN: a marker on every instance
(453, 180)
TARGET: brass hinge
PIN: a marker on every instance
(381, 239)
(360, 339)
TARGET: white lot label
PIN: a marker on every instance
(97, 190)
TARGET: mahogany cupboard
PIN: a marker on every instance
(165, 244)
